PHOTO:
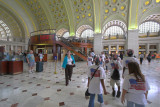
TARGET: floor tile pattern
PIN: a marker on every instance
(46, 89)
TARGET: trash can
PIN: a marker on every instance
(39, 66)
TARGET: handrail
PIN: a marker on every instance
(69, 48)
(46, 31)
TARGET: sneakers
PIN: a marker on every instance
(118, 94)
(101, 104)
(29, 71)
(113, 93)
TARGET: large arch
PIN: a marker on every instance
(151, 11)
(114, 17)
(119, 23)
(61, 32)
(81, 29)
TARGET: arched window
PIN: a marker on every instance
(87, 33)
(66, 35)
(149, 26)
(114, 30)
(4, 31)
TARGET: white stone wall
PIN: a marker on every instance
(132, 41)
(97, 44)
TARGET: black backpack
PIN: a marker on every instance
(115, 75)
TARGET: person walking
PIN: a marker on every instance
(115, 66)
(30, 61)
(135, 87)
(68, 64)
(126, 60)
(89, 60)
(149, 58)
(96, 84)
(141, 58)
(40, 56)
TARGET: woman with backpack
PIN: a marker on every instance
(115, 66)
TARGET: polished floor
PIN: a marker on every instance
(47, 89)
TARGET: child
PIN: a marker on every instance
(115, 67)
(96, 84)
(135, 87)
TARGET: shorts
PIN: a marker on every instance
(112, 82)
(31, 64)
(41, 57)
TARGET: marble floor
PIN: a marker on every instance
(47, 89)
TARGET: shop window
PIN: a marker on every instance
(142, 47)
(121, 47)
(152, 47)
(105, 47)
(113, 47)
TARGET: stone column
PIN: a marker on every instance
(109, 49)
(16, 49)
(132, 41)
(147, 48)
(158, 48)
(117, 50)
(97, 44)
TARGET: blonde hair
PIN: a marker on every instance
(135, 69)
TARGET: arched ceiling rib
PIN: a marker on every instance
(14, 25)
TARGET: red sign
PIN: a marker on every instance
(44, 37)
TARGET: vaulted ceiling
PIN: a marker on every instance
(25, 16)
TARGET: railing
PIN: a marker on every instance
(39, 32)
(73, 50)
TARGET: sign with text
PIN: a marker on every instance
(43, 39)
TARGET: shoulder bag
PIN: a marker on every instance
(87, 93)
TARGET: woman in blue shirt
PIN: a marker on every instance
(68, 64)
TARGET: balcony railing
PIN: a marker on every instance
(39, 32)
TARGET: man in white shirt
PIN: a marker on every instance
(126, 60)
(96, 84)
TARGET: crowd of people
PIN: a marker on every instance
(135, 86)
(26, 57)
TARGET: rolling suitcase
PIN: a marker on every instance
(39, 66)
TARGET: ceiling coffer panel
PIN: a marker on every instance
(83, 11)
(59, 14)
(111, 7)
(39, 14)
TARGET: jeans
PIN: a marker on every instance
(131, 104)
(92, 97)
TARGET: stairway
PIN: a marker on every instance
(70, 47)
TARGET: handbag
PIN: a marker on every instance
(87, 93)
(73, 64)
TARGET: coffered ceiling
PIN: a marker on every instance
(25, 16)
